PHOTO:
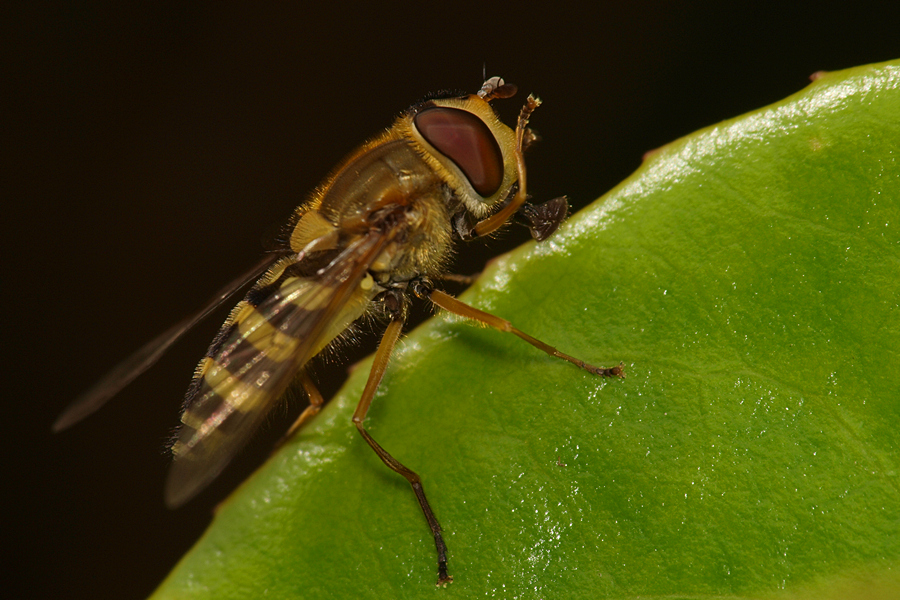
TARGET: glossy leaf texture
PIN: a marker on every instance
(749, 277)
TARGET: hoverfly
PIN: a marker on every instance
(379, 230)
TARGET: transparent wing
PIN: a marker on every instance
(126, 371)
(265, 348)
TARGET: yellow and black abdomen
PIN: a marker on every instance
(269, 337)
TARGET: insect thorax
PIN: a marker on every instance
(384, 176)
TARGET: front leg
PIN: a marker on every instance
(424, 289)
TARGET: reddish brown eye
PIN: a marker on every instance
(466, 140)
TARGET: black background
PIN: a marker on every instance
(147, 149)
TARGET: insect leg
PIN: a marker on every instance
(493, 222)
(460, 279)
(451, 304)
(382, 356)
(316, 401)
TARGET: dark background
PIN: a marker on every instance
(147, 149)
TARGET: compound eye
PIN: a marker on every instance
(466, 140)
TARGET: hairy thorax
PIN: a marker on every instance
(388, 186)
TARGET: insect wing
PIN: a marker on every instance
(259, 358)
(126, 371)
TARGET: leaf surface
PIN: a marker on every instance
(748, 275)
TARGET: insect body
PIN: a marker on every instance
(378, 231)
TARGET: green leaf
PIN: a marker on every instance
(749, 276)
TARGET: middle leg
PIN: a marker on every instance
(382, 357)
